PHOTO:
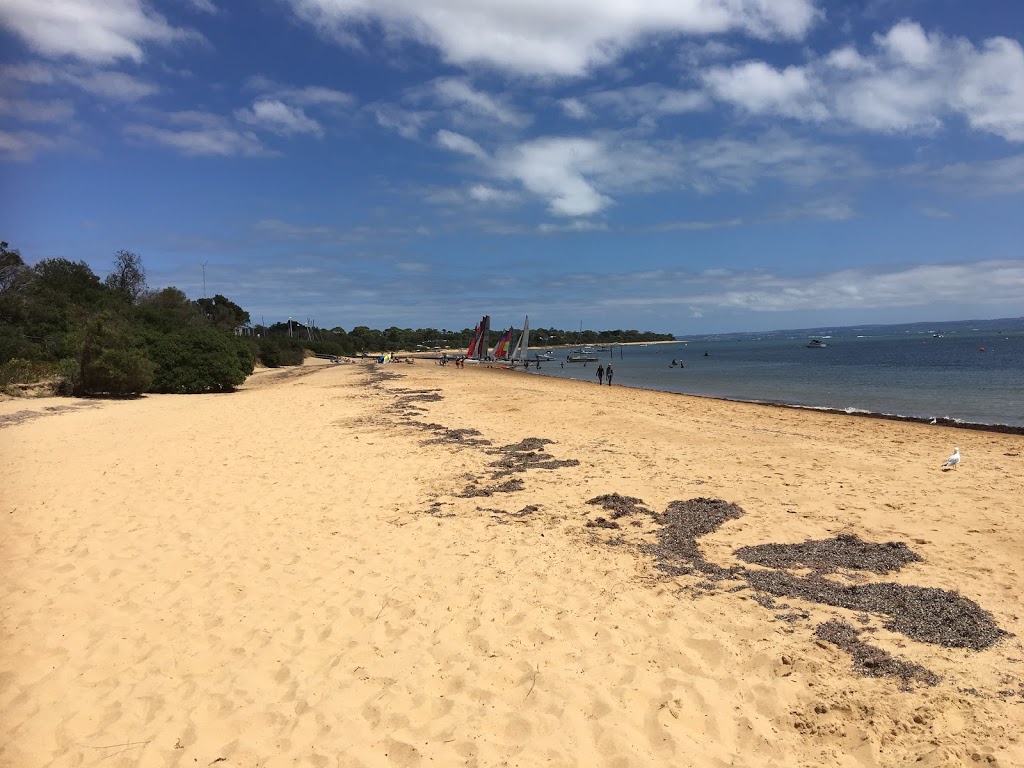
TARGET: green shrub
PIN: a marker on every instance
(21, 371)
(199, 359)
(69, 377)
(274, 353)
(110, 361)
(117, 371)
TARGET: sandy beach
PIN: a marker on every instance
(362, 565)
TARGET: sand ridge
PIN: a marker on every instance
(335, 566)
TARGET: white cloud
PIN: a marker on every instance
(204, 6)
(305, 96)
(556, 37)
(406, 123)
(760, 88)
(116, 86)
(694, 225)
(911, 82)
(200, 133)
(37, 111)
(860, 289)
(95, 32)
(277, 117)
(574, 108)
(557, 170)
(452, 92)
(482, 193)
(456, 142)
(649, 100)
(107, 84)
(23, 145)
(579, 176)
(991, 91)
(1004, 176)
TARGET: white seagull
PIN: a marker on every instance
(953, 460)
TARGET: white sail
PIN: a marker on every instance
(523, 345)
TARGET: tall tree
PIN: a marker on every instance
(11, 268)
(128, 277)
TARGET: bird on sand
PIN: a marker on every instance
(953, 460)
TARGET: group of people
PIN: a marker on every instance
(604, 373)
(458, 360)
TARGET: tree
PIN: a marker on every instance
(199, 359)
(12, 268)
(111, 362)
(223, 312)
(128, 277)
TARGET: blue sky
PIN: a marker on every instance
(681, 166)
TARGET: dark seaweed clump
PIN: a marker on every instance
(459, 437)
(869, 660)
(528, 453)
(677, 552)
(510, 486)
(927, 614)
(621, 506)
(829, 555)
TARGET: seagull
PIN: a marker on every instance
(953, 460)
(933, 421)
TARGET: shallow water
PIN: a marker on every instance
(907, 375)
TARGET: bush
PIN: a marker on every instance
(20, 371)
(274, 353)
(69, 377)
(117, 371)
(111, 361)
(200, 359)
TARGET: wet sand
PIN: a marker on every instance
(362, 565)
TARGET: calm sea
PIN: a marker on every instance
(965, 377)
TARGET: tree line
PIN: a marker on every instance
(61, 323)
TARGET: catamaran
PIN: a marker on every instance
(478, 353)
(519, 353)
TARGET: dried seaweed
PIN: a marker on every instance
(869, 660)
(829, 555)
(927, 614)
(621, 506)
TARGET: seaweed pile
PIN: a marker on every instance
(528, 453)
(829, 555)
(928, 614)
(869, 660)
(677, 552)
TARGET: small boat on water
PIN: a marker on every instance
(582, 356)
(816, 344)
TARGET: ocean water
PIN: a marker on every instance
(909, 375)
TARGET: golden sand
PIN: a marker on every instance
(294, 574)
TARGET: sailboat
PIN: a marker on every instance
(518, 355)
(581, 354)
(477, 352)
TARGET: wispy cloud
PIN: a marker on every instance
(911, 81)
(556, 38)
(768, 292)
(98, 33)
(277, 117)
(27, 110)
(199, 133)
(24, 145)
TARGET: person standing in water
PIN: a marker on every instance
(600, 374)
(608, 374)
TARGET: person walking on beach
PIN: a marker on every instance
(608, 374)
(600, 374)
